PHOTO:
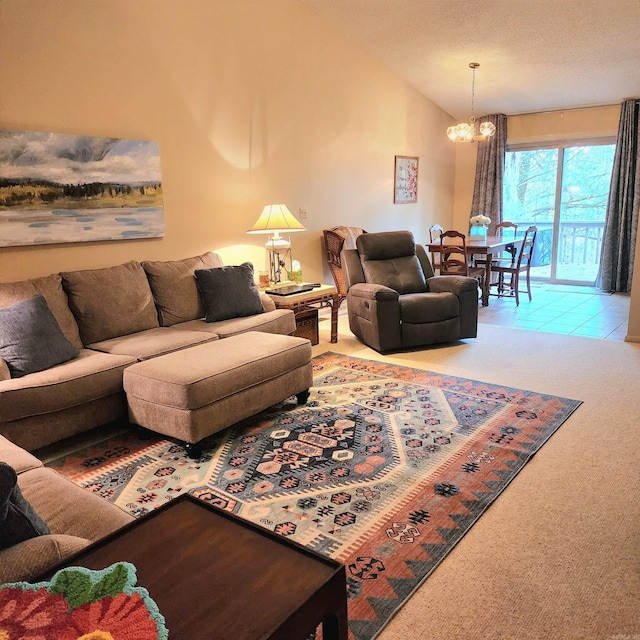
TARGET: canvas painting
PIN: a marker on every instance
(405, 180)
(58, 188)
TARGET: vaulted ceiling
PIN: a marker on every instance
(534, 55)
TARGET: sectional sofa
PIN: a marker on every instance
(114, 317)
(73, 517)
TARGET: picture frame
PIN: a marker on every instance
(57, 188)
(405, 180)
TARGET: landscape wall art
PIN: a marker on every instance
(58, 188)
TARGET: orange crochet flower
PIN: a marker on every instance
(32, 614)
(123, 617)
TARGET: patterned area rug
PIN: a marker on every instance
(385, 469)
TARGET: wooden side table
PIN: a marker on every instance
(215, 576)
(323, 296)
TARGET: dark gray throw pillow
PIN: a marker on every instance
(18, 519)
(31, 339)
(229, 292)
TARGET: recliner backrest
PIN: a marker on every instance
(390, 258)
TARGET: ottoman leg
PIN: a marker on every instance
(143, 433)
(303, 396)
(193, 449)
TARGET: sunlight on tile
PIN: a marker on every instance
(580, 311)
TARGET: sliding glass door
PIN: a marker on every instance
(563, 190)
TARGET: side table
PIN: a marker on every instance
(215, 576)
(323, 296)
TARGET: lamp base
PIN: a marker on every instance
(277, 264)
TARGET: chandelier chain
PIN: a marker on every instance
(474, 66)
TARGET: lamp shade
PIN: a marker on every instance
(276, 218)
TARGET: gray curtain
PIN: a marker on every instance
(487, 189)
(621, 222)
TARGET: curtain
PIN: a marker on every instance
(621, 222)
(487, 189)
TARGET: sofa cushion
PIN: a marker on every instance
(18, 519)
(90, 376)
(50, 287)
(5, 374)
(153, 342)
(110, 302)
(174, 287)
(17, 457)
(281, 321)
(424, 308)
(81, 513)
(29, 559)
(31, 339)
(229, 292)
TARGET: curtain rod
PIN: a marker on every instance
(593, 106)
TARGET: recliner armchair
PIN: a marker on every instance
(394, 301)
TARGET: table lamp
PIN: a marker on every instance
(276, 219)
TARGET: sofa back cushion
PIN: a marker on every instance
(111, 302)
(50, 288)
(174, 287)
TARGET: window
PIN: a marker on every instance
(563, 189)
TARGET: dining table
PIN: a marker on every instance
(490, 247)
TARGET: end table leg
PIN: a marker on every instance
(335, 626)
(335, 304)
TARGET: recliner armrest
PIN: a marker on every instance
(452, 284)
(373, 292)
(374, 315)
(466, 290)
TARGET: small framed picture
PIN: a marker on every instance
(405, 181)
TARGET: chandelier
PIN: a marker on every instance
(468, 131)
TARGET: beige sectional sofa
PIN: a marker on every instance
(115, 317)
(75, 517)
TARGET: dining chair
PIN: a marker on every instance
(513, 269)
(434, 234)
(502, 229)
(454, 260)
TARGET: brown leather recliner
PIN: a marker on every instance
(394, 301)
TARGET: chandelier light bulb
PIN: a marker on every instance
(487, 129)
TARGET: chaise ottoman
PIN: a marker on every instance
(195, 392)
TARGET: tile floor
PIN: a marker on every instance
(575, 310)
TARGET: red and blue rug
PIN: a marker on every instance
(385, 469)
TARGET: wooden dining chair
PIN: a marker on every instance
(434, 235)
(502, 229)
(512, 269)
(454, 260)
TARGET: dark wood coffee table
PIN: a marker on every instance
(215, 576)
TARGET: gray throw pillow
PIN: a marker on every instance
(18, 519)
(229, 292)
(31, 339)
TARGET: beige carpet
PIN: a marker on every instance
(558, 555)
